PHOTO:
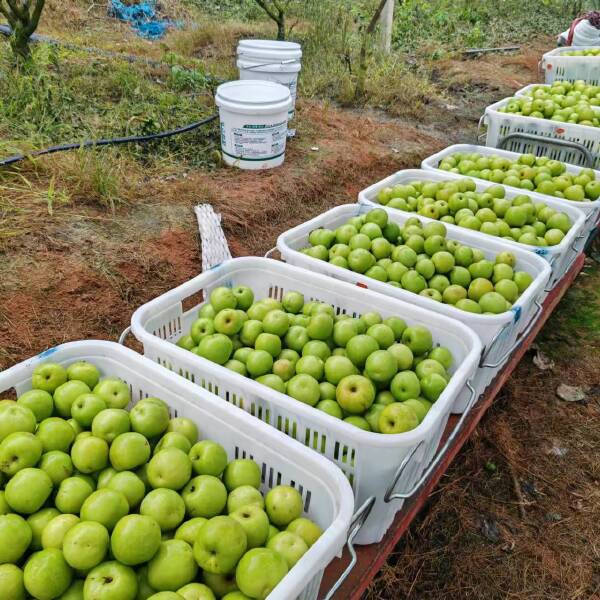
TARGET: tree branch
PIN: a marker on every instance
(35, 16)
(8, 15)
(373, 23)
(267, 9)
(22, 12)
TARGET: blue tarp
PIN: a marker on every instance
(143, 18)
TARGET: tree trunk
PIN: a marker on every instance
(386, 24)
(281, 27)
(23, 16)
(19, 42)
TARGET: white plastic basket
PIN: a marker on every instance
(590, 209)
(499, 334)
(556, 66)
(500, 125)
(368, 459)
(326, 493)
(560, 257)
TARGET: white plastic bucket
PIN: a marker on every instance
(254, 117)
(272, 61)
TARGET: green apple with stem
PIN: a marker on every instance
(355, 394)
(405, 385)
(204, 496)
(114, 391)
(397, 418)
(283, 505)
(111, 581)
(254, 522)
(170, 468)
(85, 371)
(220, 544)
(259, 572)
(19, 450)
(110, 423)
(66, 394)
(48, 377)
(86, 407)
(208, 458)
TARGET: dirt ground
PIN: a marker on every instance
(517, 515)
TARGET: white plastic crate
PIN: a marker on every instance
(499, 334)
(590, 209)
(558, 67)
(500, 124)
(325, 491)
(560, 257)
(368, 459)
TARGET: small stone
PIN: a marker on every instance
(570, 393)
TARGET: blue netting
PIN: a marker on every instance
(143, 18)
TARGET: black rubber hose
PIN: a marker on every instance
(138, 139)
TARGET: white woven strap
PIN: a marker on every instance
(214, 244)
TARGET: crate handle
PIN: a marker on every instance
(124, 335)
(358, 520)
(270, 252)
(523, 335)
(485, 353)
(530, 137)
(479, 127)
(434, 462)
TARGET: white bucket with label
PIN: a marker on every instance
(272, 61)
(254, 117)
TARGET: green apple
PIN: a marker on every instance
(276, 322)
(204, 496)
(12, 586)
(227, 321)
(360, 260)
(259, 572)
(82, 370)
(58, 466)
(89, 454)
(170, 468)
(184, 426)
(86, 407)
(15, 418)
(419, 406)
(27, 491)
(216, 348)
(284, 369)
(55, 434)
(188, 530)
(103, 478)
(128, 484)
(310, 365)
(478, 287)
(15, 537)
(75, 591)
(418, 339)
(186, 342)
(129, 451)
(203, 327)
(149, 418)
(242, 496)
(405, 385)
(47, 575)
(164, 506)
(523, 280)
(85, 545)
(39, 402)
(173, 439)
(110, 423)
(403, 355)
(372, 416)
(304, 388)
(37, 522)
(71, 494)
(259, 362)
(66, 394)
(316, 348)
(397, 418)
(283, 504)
(432, 386)
(443, 356)
(331, 407)
(208, 458)
(355, 394)
(468, 305)
(196, 591)
(135, 539)
(327, 391)
(309, 531)
(105, 506)
(173, 566)
(320, 326)
(219, 545)
(222, 297)
(344, 331)
(254, 522)
(382, 334)
(110, 581)
(289, 545)
(430, 365)
(48, 377)
(244, 297)
(384, 398)
(360, 347)
(54, 532)
(267, 342)
(381, 366)
(242, 471)
(338, 367)
(292, 302)
(114, 391)
(221, 585)
(296, 338)
(19, 450)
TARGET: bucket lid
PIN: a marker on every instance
(270, 49)
(253, 93)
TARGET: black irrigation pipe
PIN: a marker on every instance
(138, 139)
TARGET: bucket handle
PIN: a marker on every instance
(124, 334)
(389, 496)
(269, 253)
(287, 61)
(358, 520)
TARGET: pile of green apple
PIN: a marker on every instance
(574, 109)
(420, 259)
(528, 172)
(101, 503)
(567, 93)
(376, 374)
(457, 202)
(584, 52)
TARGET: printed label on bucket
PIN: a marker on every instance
(257, 142)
